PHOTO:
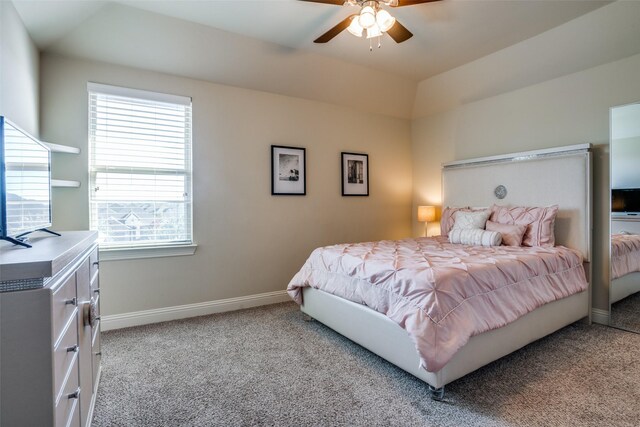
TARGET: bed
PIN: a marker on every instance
(562, 176)
(625, 266)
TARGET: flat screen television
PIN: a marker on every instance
(25, 184)
(625, 201)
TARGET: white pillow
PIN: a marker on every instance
(469, 220)
(475, 236)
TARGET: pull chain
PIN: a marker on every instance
(371, 43)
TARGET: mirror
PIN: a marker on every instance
(624, 289)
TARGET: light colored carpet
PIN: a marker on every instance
(625, 313)
(267, 366)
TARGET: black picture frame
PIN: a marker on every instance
(295, 170)
(355, 174)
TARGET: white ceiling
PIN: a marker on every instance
(446, 34)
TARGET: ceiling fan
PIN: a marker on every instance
(372, 20)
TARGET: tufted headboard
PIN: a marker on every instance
(559, 176)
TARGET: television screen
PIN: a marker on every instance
(625, 200)
(25, 182)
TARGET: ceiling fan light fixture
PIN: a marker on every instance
(373, 31)
(384, 20)
(367, 17)
(355, 28)
(372, 16)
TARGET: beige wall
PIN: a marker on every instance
(568, 110)
(249, 242)
(18, 71)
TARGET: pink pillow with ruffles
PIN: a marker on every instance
(540, 222)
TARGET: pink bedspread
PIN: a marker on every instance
(625, 254)
(441, 293)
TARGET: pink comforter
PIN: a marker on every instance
(441, 293)
(625, 254)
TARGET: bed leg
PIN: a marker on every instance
(436, 393)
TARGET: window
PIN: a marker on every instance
(140, 167)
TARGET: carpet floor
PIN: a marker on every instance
(625, 313)
(267, 366)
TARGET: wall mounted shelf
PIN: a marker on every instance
(58, 148)
(63, 183)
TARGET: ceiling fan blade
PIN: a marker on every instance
(335, 30)
(399, 33)
(411, 2)
(336, 2)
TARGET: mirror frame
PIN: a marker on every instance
(610, 213)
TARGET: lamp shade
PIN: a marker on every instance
(426, 213)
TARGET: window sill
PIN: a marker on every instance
(118, 254)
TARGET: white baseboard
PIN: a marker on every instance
(600, 316)
(136, 318)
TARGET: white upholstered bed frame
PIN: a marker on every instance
(624, 286)
(537, 178)
(628, 284)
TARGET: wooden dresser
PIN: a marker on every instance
(49, 331)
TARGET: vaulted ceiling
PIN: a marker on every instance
(447, 34)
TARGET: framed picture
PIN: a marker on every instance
(288, 171)
(355, 174)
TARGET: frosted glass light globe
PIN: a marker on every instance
(355, 28)
(384, 20)
(367, 17)
(373, 31)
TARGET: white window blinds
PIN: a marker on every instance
(140, 167)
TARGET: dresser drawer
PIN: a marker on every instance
(95, 287)
(96, 328)
(74, 420)
(96, 351)
(69, 401)
(94, 262)
(63, 306)
(83, 281)
(63, 355)
(96, 299)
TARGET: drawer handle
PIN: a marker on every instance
(73, 348)
(96, 263)
(98, 353)
(72, 301)
(96, 291)
(75, 394)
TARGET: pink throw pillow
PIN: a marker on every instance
(512, 234)
(540, 222)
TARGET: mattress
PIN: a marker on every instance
(441, 293)
(625, 254)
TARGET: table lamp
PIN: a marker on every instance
(426, 214)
